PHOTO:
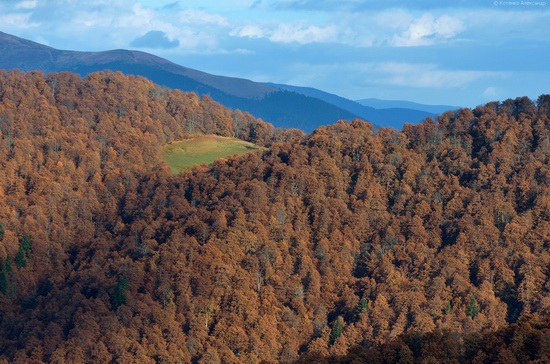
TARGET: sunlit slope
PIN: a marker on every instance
(203, 149)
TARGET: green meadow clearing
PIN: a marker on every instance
(200, 149)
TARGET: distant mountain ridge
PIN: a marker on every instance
(283, 105)
(394, 116)
(390, 104)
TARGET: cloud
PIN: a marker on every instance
(289, 33)
(491, 92)
(194, 16)
(106, 24)
(248, 31)
(428, 75)
(138, 17)
(428, 30)
(17, 21)
(155, 39)
(27, 4)
(297, 33)
(392, 18)
(393, 27)
(397, 74)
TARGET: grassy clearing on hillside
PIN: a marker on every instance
(203, 149)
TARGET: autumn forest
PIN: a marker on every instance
(350, 244)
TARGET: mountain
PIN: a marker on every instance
(284, 105)
(27, 55)
(283, 108)
(425, 245)
(394, 116)
(400, 104)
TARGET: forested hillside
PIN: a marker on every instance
(342, 238)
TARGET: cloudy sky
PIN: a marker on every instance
(458, 52)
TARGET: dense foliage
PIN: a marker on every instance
(527, 341)
(343, 238)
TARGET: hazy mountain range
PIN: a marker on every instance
(283, 105)
(408, 105)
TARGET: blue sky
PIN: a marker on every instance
(460, 52)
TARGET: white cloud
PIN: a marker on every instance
(17, 21)
(194, 16)
(27, 4)
(394, 27)
(491, 92)
(393, 19)
(395, 74)
(242, 52)
(248, 31)
(196, 31)
(92, 19)
(428, 30)
(298, 33)
(138, 18)
(428, 75)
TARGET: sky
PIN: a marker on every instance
(453, 52)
